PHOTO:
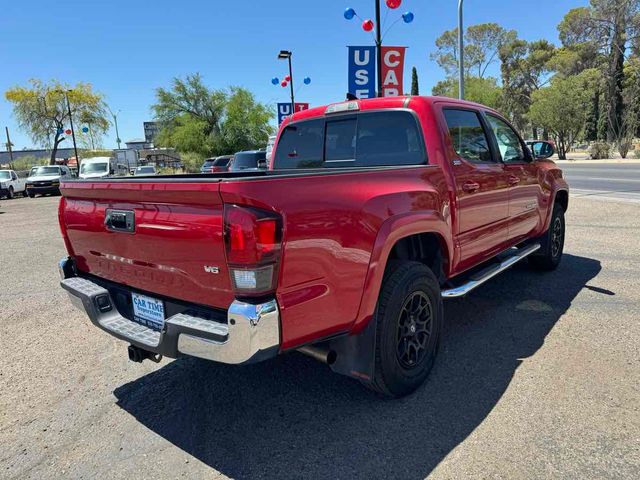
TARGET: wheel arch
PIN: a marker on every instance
(423, 237)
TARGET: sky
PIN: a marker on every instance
(127, 49)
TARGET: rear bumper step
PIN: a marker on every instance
(485, 275)
(251, 334)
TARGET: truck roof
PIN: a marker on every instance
(380, 103)
(96, 160)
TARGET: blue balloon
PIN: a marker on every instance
(349, 13)
(275, 80)
(60, 131)
(85, 129)
(307, 80)
(408, 17)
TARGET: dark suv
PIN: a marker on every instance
(217, 164)
(249, 160)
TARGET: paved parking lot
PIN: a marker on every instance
(538, 377)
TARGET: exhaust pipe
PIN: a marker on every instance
(138, 355)
(322, 355)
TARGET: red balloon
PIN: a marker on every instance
(287, 78)
(393, 4)
(68, 131)
(367, 25)
(284, 83)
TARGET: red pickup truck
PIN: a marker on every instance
(371, 213)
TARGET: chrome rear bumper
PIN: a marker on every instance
(251, 333)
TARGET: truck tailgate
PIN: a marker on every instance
(176, 248)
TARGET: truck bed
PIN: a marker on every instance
(331, 220)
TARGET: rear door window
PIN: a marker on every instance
(389, 138)
(468, 135)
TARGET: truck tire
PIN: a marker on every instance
(551, 243)
(10, 194)
(408, 320)
(30, 195)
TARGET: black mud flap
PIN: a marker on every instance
(355, 354)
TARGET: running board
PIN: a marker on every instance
(485, 275)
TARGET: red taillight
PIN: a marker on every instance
(253, 240)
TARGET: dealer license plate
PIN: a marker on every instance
(148, 311)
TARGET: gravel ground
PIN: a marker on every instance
(538, 377)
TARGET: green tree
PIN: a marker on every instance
(41, 111)
(482, 44)
(609, 27)
(480, 90)
(561, 108)
(204, 122)
(526, 67)
(415, 87)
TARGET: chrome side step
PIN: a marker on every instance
(485, 275)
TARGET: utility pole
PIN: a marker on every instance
(460, 51)
(73, 132)
(379, 48)
(9, 145)
(115, 121)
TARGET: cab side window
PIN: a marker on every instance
(467, 135)
(14, 176)
(508, 140)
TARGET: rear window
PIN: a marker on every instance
(244, 160)
(208, 163)
(387, 138)
(221, 162)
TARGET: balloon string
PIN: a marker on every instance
(384, 20)
(390, 27)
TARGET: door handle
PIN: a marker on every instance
(513, 180)
(471, 187)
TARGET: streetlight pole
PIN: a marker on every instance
(379, 48)
(287, 54)
(293, 102)
(460, 51)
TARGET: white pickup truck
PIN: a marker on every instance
(10, 184)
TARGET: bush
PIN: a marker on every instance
(636, 153)
(192, 161)
(25, 162)
(600, 150)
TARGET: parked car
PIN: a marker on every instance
(144, 170)
(270, 144)
(217, 164)
(249, 160)
(46, 180)
(101, 167)
(10, 184)
(373, 213)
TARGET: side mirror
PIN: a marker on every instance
(542, 150)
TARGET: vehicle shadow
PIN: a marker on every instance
(293, 418)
